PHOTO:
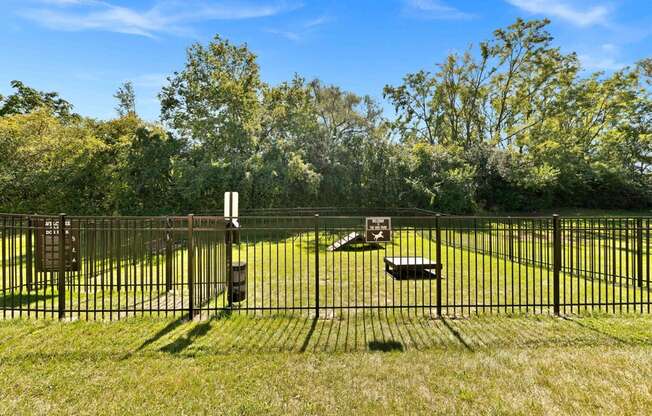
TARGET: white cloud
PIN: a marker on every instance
(166, 16)
(601, 63)
(287, 34)
(154, 80)
(69, 2)
(316, 22)
(603, 59)
(434, 9)
(587, 16)
(299, 32)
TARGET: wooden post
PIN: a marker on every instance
(61, 283)
(191, 268)
(316, 265)
(556, 260)
(438, 262)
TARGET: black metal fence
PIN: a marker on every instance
(110, 267)
(115, 267)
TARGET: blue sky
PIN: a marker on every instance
(85, 49)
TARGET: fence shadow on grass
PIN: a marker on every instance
(377, 332)
(18, 301)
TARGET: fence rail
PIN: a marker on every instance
(116, 267)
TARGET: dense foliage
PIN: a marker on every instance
(513, 125)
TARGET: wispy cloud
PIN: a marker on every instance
(604, 58)
(434, 9)
(301, 30)
(563, 9)
(287, 34)
(165, 16)
(154, 80)
(318, 21)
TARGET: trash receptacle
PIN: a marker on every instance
(238, 287)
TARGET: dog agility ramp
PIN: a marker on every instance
(350, 238)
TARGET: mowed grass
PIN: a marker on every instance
(360, 364)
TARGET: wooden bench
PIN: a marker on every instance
(412, 267)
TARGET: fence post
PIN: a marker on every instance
(29, 253)
(168, 255)
(438, 262)
(510, 236)
(191, 268)
(639, 251)
(316, 265)
(556, 260)
(117, 243)
(228, 236)
(61, 283)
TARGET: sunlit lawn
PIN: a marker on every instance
(360, 364)
(386, 354)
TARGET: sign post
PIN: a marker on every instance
(231, 237)
(378, 229)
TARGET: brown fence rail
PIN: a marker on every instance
(116, 267)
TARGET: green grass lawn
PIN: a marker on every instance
(366, 360)
(359, 364)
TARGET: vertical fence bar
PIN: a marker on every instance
(28, 249)
(118, 256)
(438, 262)
(228, 239)
(639, 251)
(556, 260)
(61, 283)
(316, 265)
(168, 254)
(191, 268)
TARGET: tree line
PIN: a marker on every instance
(512, 124)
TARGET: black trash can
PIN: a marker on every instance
(238, 286)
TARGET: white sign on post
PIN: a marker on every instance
(230, 205)
(231, 216)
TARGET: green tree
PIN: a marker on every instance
(126, 97)
(213, 107)
(47, 166)
(26, 99)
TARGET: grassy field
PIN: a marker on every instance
(363, 365)
(365, 360)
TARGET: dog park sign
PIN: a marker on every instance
(378, 229)
(48, 249)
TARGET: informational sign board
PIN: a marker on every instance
(378, 229)
(230, 204)
(231, 216)
(47, 245)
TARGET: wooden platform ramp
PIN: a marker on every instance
(350, 238)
